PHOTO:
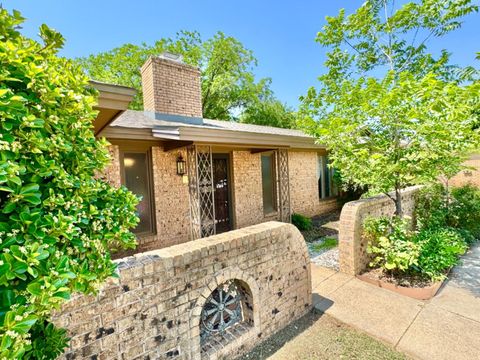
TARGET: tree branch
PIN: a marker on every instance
(413, 51)
(391, 198)
(390, 56)
(353, 47)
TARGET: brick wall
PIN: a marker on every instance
(153, 310)
(171, 87)
(352, 246)
(247, 189)
(172, 208)
(171, 194)
(470, 176)
(303, 170)
(112, 172)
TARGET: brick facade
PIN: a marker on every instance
(112, 172)
(469, 176)
(153, 310)
(303, 174)
(171, 194)
(172, 211)
(352, 245)
(170, 87)
(247, 190)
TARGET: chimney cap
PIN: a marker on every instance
(171, 56)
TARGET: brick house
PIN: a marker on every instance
(470, 175)
(198, 176)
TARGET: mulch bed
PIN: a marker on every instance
(319, 230)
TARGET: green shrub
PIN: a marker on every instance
(440, 250)
(399, 250)
(464, 211)
(431, 207)
(57, 221)
(302, 223)
(458, 208)
(389, 241)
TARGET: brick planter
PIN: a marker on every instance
(419, 293)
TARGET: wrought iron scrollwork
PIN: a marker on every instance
(200, 181)
(284, 185)
(222, 309)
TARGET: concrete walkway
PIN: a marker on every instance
(446, 327)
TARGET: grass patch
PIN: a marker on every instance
(326, 244)
(320, 337)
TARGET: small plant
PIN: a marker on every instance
(398, 250)
(326, 244)
(440, 251)
(389, 241)
(302, 222)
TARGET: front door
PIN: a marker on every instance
(222, 192)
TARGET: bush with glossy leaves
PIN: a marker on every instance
(58, 222)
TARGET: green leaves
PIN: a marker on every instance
(52, 38)
(227, 79)
(31, 194)
(51, 244)
(389, 112)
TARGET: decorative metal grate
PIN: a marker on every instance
(222, 309)
(200, 180)
(195, 222)
(283, 185)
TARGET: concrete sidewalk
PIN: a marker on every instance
(446, 327)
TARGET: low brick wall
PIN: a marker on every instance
(352, 246)
(153, 310)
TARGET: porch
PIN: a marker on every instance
(214, 195)
(222, 186)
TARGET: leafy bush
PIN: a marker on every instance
(57, 221)
(440, 250)
(459, 208)
(431, 206)
(302, 223)
(389, 241)
(464, 211)
(397, 249)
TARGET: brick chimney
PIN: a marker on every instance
(171, 87)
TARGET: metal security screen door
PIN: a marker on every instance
(283, 185)
(209, 190)
(201, 189)
(221, 192)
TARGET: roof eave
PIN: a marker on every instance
(112, 101)
(222, 136)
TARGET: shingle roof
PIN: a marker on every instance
(139, 120)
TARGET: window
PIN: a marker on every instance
(326, 184)
(137, 177)
(268, 184)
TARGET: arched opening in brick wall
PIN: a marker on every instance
(227, 315)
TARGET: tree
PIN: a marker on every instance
(391, 113)
(228, 82)
(270, 112)
(58, 223)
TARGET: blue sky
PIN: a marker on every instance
(281, 33)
